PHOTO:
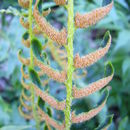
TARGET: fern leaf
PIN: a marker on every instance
(60, 2)
(90, 18)
(24, 3)
(88, 115)
(49, 120)
(59, 37)
(85, 61)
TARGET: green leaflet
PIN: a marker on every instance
(104, 97)
(23, 60)
(34, 77)
(109, 69)
(93, 112)
(20, 52)
(37, 48)
(49, 112)
(106, 2)
(45, 58)
(40, 103)
(106, 123)
(15, 127)
(25, 35)
(45, 127)
(105, 39)
(24, 67)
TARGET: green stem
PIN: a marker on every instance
(70, 68)
(36, 118)
(30, 32)
(32, 66)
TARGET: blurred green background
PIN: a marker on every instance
(86, 40)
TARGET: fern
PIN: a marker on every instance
(36, 24)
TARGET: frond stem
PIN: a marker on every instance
(32, 65)
(70, 68)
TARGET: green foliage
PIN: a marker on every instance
(37, 48)
(49, 112)
(34, 77)
(25, 35)
(45, 127)
(104, 97)
(105, 123)
(41, 103)
(105, 39)
(123, 124)
(109, 69)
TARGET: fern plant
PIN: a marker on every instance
(38, 65)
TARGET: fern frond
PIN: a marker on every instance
(24, 23)
(59, 37)
(37, 24)
(88, 115)
(90, 89)
(25, 86)
(85, 61)
(27, 98)
(23, 60)
(24, 104)
(95, 86)
(36, 30)
(60, 2)
(26, 40)
(24, 3)
(49, 99)
(45, 96)
(49, 120)
(25, 115)
(26, 76)
(90, 18)
(58, 76)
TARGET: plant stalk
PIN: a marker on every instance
(70, 68)
(30, 32)
(32, 66)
